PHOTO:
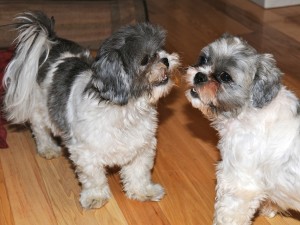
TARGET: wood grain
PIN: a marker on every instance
(85, 22)
(36, 191)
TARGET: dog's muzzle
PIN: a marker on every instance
(194, 93)
(165, 77)
(199, 79)
(166, 62)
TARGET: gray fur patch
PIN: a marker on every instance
(59, 91)
(254, 78)
(266, 83)
(117, 75)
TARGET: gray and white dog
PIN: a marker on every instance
(258, 120)
(104, 109)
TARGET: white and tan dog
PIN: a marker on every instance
(258, 121)
(104, 108)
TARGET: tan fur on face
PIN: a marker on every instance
(208, 92)
(157, 73)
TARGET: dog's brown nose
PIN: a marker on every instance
(200, 78)
(165, 61)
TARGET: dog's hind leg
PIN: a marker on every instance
(238, 198)
(46, 145)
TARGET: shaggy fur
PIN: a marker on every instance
(103, 108)
(258, 121)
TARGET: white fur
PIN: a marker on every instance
(260, 161)
(103, 134)
(111, 135)
(99, 133)
(260, 152)
(261, 157)
(259, 145)
(106, 135)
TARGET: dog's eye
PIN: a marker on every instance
(202, 60)
(225, 77)
(145, 60)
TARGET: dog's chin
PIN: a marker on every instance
(162, 75)
(163, 81)
(207, 108)
(194, 98)
(161, 89)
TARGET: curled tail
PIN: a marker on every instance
(35, 37)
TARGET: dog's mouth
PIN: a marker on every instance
(194, 93)
(163, 81)
(164, 70)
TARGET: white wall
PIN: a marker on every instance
(276, 3)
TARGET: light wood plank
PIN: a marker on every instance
(25, 186)
(38, 191)
(63, 189)
(6, 217)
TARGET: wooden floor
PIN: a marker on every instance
(35, 191)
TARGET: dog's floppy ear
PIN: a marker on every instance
(266, 83)
(110, 78)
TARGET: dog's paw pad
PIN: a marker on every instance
(50, 153)
(153, 192)
(92, 202)
(93, 199)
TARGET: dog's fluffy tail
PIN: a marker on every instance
(35, 37)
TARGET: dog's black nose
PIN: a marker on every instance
(200, 78)
(165, 61)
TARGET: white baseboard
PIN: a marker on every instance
(276, 3)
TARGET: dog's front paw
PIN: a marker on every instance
(91, 199)
(50, 153)
(152, 192)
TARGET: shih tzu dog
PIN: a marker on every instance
(104, 108)
(258, 120)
